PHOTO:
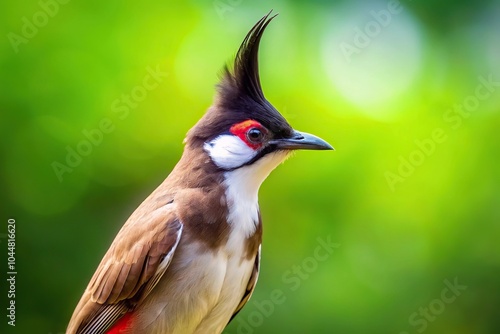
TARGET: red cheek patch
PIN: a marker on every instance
(242, 128)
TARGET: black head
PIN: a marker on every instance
(239, 94)
(241, 110)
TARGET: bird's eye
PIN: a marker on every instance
(255, 135)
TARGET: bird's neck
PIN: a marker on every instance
(195, 170)
(242, 188)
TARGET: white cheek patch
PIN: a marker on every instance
(229, 151)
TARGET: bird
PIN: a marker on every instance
(188, 258)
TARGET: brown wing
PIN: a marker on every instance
(250, 287)
(136, 260)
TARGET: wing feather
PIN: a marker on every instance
(133, 265)
(250, 286)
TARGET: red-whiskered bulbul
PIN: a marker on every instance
(187, 259)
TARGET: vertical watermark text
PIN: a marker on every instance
(11, 271)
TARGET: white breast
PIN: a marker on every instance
(203, 301)
(235, 281)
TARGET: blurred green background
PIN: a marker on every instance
(407, 93)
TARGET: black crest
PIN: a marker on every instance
(239, 94)
(245, 77)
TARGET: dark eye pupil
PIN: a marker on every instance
(254, 134)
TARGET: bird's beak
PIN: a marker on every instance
(301, 141)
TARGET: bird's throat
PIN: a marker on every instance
(242, 187)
